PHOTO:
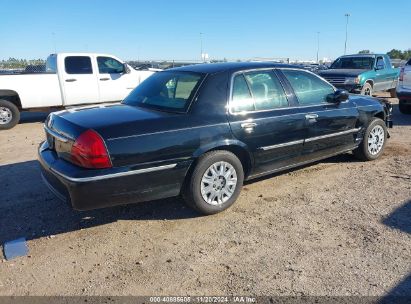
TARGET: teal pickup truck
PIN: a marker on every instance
(363, 73)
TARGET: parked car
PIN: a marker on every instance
(201, 130)
(69, 79)
(363, 73)
(404, 89)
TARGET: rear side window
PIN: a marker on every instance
(242, 99)
(256, 91)
(309, 89)
(409, 62)
(78, 65)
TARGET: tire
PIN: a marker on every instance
(373, 144)
(393, 93)
(404, 108)
(366, 89)
(9, 115)
(196, 189)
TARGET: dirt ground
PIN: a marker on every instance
(338, 227)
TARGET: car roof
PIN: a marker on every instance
(363, 55)
(210, 68)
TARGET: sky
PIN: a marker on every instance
(160, 29)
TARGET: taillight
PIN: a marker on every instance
(89, 151)
(402, 74)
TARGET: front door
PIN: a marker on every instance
(331, 127)
(261, 117)
(79, 80)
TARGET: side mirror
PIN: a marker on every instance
(338, 96)
(126, 69)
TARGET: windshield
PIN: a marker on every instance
(167, 91)
(363, 63)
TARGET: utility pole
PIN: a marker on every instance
(53, 39)
(347, 15)
(318, 45)
(201, 46)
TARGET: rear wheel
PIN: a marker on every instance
(404, 108)
(9, 115)
(215, 183)
(374, 140)
(367, 89)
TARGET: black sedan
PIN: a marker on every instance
(201, 130)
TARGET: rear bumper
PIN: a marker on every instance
(86, 189)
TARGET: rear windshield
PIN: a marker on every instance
(167, 91)
(363, 63)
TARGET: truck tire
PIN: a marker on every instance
(215, 182)
(373, 144)
(366, 89)
(393, 93)
(9, 115)
(404, 108)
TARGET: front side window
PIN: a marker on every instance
(256, 91)
(308, 88)
(78, 65)
(380, 63)
(168, 91)
(108, 65)
(356, 63)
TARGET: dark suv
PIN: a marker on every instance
(201, 130)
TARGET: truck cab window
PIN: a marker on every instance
(108, 65)
(78, 65)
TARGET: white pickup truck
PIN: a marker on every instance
(69, 79)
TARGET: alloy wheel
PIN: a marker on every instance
(376, 140)
(5, 115)
(218, 183)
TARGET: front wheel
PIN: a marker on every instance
(215, 183)
(367, 89)
(9, 115)
(374, 140)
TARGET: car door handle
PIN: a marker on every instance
(248, 125)
(311, 116)
(71, 80)
(104, 79)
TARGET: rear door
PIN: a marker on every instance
(331, 127)
(79, 81)
(262, 118)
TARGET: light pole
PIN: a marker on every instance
(346, 33)
(201, 46)
(318, 45)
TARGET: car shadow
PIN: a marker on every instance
(399, 219)
(28, 209)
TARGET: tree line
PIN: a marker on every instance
(394, 54)
(13, 63)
